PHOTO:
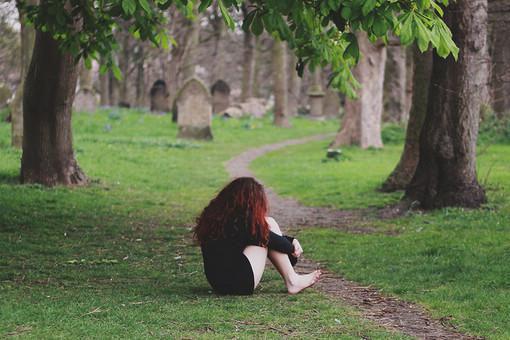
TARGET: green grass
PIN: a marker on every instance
(115, 259)
(455, 262)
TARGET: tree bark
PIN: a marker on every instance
(294, 85)
(404, 171)
(140, 76)
(446, 171)
(27, 35)
(104, 89)
(248, 66)
(499, 29)
(48, 156)
(395, 85)
(124, 60)
(280, 84)
(218, 55)
(362, 120)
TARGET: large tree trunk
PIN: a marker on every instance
(27, 35)
(499, 29)
(395, 85)
(404, 171)
(48, 156)
(362, 120)
(446, 172)
(279, 64)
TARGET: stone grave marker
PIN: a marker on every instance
(220, 92)
(159, 96)
(195, 110)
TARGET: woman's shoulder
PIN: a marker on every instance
(271, 221)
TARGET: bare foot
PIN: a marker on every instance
(300, 282)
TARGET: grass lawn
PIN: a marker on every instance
(455, 262)
(115, 259)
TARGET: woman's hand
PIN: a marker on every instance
(298, 250)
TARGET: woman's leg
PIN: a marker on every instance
(294, 282)
(257, 257)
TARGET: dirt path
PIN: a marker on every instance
(390, 312)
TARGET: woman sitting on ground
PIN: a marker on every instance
(236, 236)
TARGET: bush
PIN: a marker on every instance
(393, 134)
(494, 129)
(4, 113)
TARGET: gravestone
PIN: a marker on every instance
(195, 110)
(159, 96)
(316, 98)
(220, 92)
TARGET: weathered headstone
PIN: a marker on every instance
(195, 110)
(220, 92)
(316, 96)
(159, 96)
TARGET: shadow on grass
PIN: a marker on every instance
(9, 178)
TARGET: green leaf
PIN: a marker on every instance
(352, 49)
(346, 12)
(258, 26)
(379, 26)
(129, 6)
(204, 4)
(368, 6)
(116, 71)
(406, 29)
(226, 16)
(437, 8)
(145, 5)
(423, 35)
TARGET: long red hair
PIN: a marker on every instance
(242, 200)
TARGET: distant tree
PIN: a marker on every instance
(499, 29)
(279, 70)
(27, 35)
(321, 32)
(361, 124)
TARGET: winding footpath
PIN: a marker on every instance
(390, 312)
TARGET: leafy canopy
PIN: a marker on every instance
(321, 32)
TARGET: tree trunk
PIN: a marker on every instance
(499, 29)
(294, 85)
(104, 89)
(248, 66)
(362, 119)
(85, 99)
(279, 64)
(27, 35)
(140, 76)
(395, 85)
(218, 57)
(124, 60)
(404, 171)
(48, 156)
(446, 172)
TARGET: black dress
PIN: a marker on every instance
(227, 269)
